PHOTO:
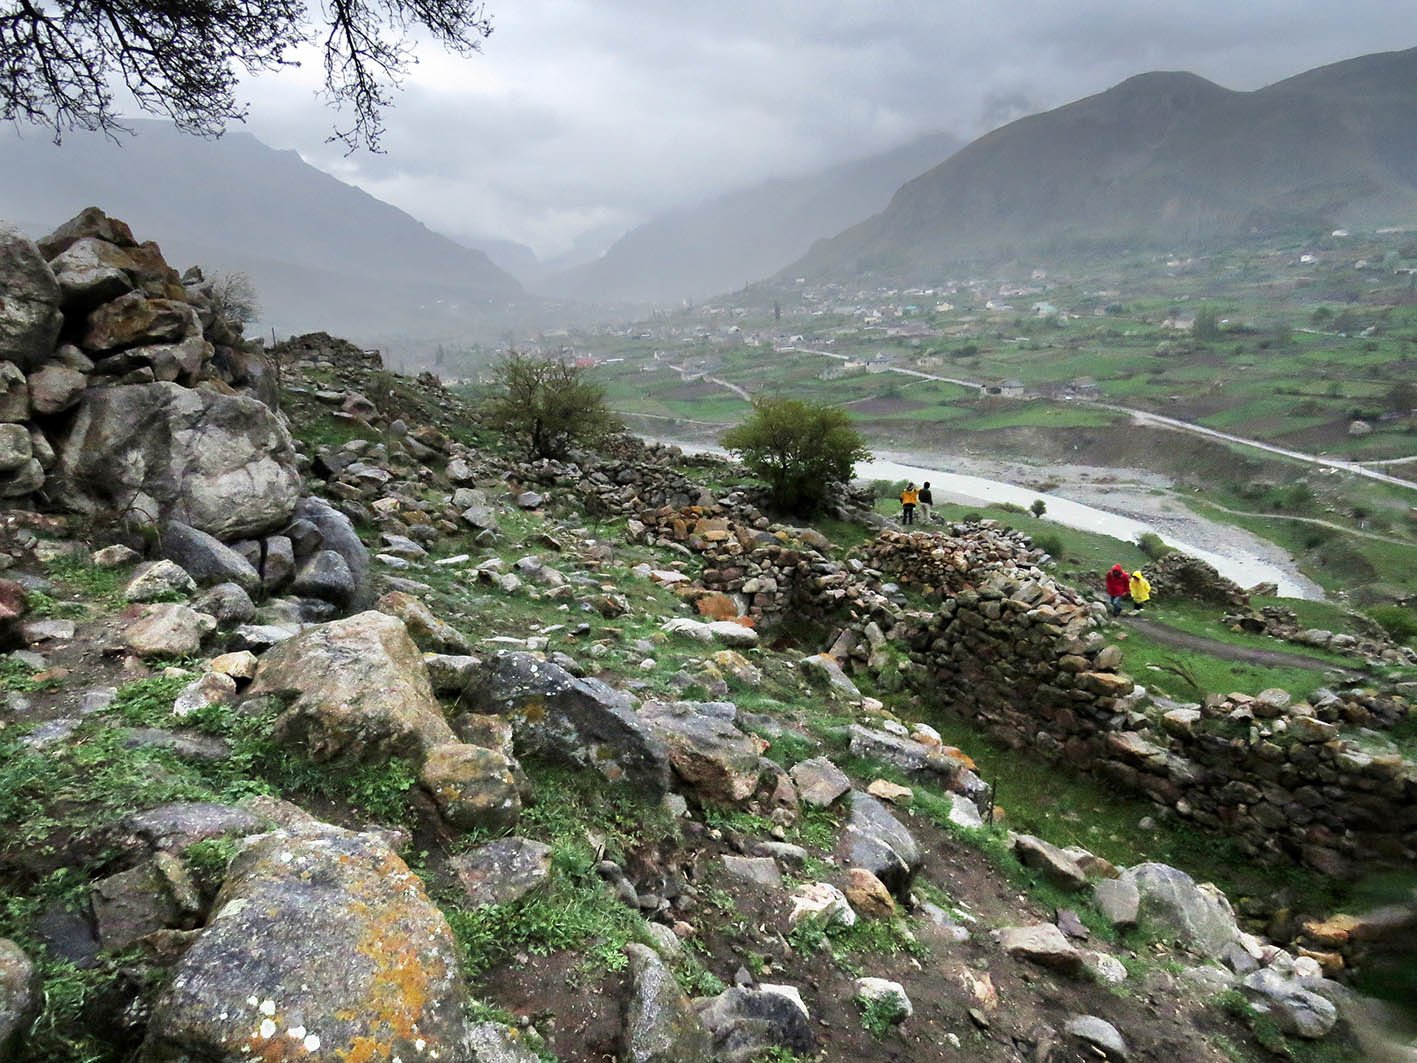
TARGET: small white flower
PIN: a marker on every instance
(268, 1029)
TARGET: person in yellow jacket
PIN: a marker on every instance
(1140, 590)
(909, 498)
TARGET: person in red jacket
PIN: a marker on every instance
(1119, 586)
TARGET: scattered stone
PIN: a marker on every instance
(1119, 901)
(177, 827)
(868, 894)
(819, 782)
(21, 996)
(660, 1025)
(725, 632)
(240, 665)
(1295, 1010)
(473, 787)
(822, 901)
(214, 688)
(759, 869)
(1199, 917)
(358, 690)
(1043, 944)
(205, 558)
(1098, 1035)
(824, 671)
(582, 721)
(168, 630)
(1056, 865)
(881, 990)
(503, 871)
(965, 813)
(876, 840)
(748, 1022)
(706, 749)
(892, 792)
(160, 579)
(115, 556)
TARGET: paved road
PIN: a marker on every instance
(1162, 421)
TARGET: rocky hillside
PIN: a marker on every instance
(1162, 159)
(333, 729)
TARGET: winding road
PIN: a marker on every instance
(1145, 417)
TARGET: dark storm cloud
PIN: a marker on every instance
(583, 113)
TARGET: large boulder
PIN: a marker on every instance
(660, 1023)
(206, 558)
(473, 787)
(750, 1022)
(30, 318)
(134, 320)
(706, 748)
(21, 993)
(336, 533)
(1198, 916)
(89, 222)
(91, 271)
(220, 463)
(432, 634)
(503, 871)
(876, 840)
(357, 690)
(323, 946)
(582, 721)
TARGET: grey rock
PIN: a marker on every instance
(503, 871)
(158, 578)
(1118, 900)
(16, 449)
(1199, 917)
(819, 782)
(132, 904)
(474, 787)
(92, 271)
(357, 690)
(1295, 1010)
(1056, 866)
(876, 840)
(21, 996)
(14, 394)
(660, 1025)
(450, 673)
(55, 388)
(748, 1022)
(1043, 944)
(823, 670)
(25, 480)
(882, 990)
(30, 315)
(192, 745)
(336, 533)
(177, 827)
(908, 755)
(581, 721)
(1097, 1034)
(221, 463)
(706, 749)
(168, 630)
(278, 562)
(229, 603)
(207, 559)
(321, 932)
(491, 1042)
(326, 575)
(759, 869)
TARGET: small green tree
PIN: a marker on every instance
(1206, 328)
(548, 405)
(798, 448)
(1039, 507)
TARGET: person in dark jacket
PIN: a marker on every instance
(1119, 586)
(927, 502)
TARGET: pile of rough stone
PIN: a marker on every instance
(1281, 623)
(120, 399)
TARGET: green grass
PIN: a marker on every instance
(1152, 664)
(879, 1017)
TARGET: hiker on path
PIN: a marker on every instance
(1139, 589)
(908, 498)
(1119, 586)
(927, 501)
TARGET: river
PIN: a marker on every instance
(1235, 553)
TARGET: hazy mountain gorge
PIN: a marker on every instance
(1164, 158)
(730, 241)
(318, 250)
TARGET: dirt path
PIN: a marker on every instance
(1314, 521)
(1185, 640)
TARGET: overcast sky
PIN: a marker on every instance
(581, 114)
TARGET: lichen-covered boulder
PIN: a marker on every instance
(473, 787)
(582, 721)
(876, 840)
(706, 749)
(220, 463)
(323, 946)
(660, 1023)
(427, 630)
(357, 690)
(21, 993)
(30, 317)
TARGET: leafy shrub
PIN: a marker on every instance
(1050, 542)
(1038, 507)
(799, 449)
(1153, 546)
(550, 406)
(1399, 623)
